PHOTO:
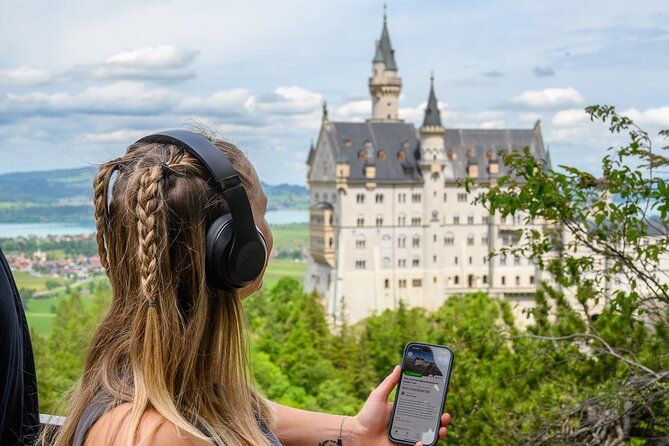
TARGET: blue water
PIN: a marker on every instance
(282, 217)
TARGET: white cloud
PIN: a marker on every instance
(123, 135)
(124, 97)
(289, 100)
(653, 116)
(570, 117)
(160, 63)
(25, 76)
(234, 101)
(357, 110)
(529, 117)
(548, 98)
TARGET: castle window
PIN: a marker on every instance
(361, 221)
(402, 198)
(456, 220)
(489, 155)
(434, 259)
(417, 283)
(517, 280)
(434, 238)
(531, 280)
(484, 240)
(470, 153)
(348, 142)
(401, 155)
(484, 220)
(378, 198)
(402, 283)
(516, 260)
(406, 144)
(330, 242)
(455, 260)
(415, 221)
(367, 143)
(415, 198)
(445, 197)
(401, 220)
(470, 240)
(485, 260)
(360, 242)
(386, 283)
(471, 260)
(503, 280)
(415, 241)
(456, 280)
(449, 239)
(502, 259)
(415, 261)
(462, 197)
(360, 198)
(379, 221)
(386, 262)
(451, 154)
(485, 279)
(362, 155)
(401, 263)
(470, 220)
(360, 264)
(381, 155)
(386, 241)
(401, 241)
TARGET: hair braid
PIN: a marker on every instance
(151, 227)
(101, 190)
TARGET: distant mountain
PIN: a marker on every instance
(65, 195)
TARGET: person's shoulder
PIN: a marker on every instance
(114, 426)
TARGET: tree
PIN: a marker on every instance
(603, 239)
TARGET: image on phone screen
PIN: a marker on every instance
(421, 394)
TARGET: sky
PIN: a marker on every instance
(82, 80)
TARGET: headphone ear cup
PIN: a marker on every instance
(218, 243)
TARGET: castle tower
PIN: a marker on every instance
(432, 152)
(384, 85)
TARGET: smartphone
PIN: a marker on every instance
(421, 394)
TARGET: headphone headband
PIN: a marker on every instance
(222, 171)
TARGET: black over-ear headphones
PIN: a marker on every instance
(235, 247)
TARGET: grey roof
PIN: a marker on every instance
(466, 147)
(475, 146)
(384, 50)
(310, 157)
(432, 115)
(349, 139)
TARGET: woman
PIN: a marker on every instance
(168, 364)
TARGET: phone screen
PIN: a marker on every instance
(421, 393)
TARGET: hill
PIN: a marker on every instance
(65, 195)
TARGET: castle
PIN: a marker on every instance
(389, 217)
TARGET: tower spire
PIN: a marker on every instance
(384, 85)
(432, 114)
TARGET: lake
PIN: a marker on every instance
(281, 217)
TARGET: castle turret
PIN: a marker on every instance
(432, 152)
(384, 85)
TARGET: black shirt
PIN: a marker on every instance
(19, 413)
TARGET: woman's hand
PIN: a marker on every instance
(372, 421)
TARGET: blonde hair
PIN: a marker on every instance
(169, 341)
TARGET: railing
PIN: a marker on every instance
(53, 423)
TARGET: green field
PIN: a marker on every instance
(41, 312)
(293, 236)
(35, 283)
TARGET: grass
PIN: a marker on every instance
(279, 268)
(34, 283)
(42, 323)
(293, 236)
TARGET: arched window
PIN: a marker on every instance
(360, 241)
(381, 155)
(386, 262)
(386, 241)
(401, 155)
(362, 155)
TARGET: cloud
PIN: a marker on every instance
(123, 135)
(543, 71)
(653, 116)
(118, 98)
(549, 98)
(357, 110)
(220, 103)
(570, 117)
(25, 76)
(289, 101)
(166, 63)
(529, 117)
(493, 74)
